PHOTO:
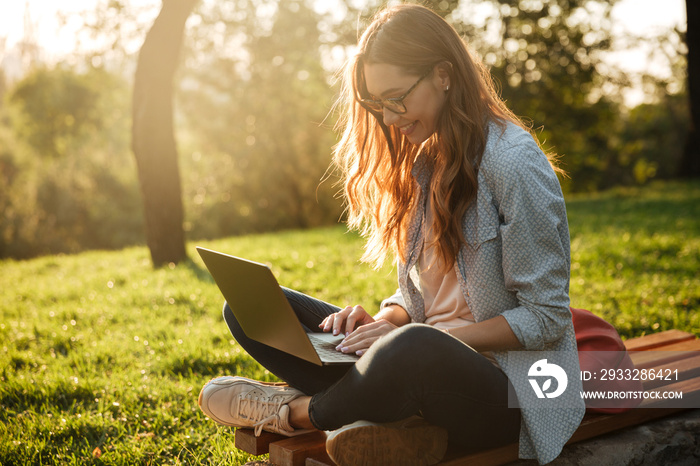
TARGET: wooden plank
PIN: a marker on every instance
(493, 457)
(684, 369)
(246, 440)
(656, 340)
(668, 353)
(320, 460)
(689, 388)
(293, 451)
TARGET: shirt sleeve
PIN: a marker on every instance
(535, 244)
(396, 298)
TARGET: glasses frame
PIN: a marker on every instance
(396, 104)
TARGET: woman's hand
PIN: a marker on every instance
(364, 336)
(361, 330)
(346, 320)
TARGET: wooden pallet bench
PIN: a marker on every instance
(670, 349)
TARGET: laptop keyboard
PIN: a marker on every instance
(327, 352)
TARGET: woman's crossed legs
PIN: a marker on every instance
(414, 370)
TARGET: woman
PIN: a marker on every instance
(440, 174)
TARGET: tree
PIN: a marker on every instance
(690, 163)
(153, 140)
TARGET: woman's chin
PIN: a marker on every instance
(417, 138)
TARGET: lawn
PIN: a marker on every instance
(103, 357)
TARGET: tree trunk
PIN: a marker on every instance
(153, 139)
(690, 163)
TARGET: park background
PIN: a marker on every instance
(103, 354)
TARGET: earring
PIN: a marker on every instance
(447, 88)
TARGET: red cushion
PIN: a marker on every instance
(601, 348)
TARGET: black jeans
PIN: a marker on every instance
(414, 370)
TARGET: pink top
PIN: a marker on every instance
(445, 306)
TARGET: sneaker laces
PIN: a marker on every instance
(272, 414)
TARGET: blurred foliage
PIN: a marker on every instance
(549, 61)
(67, 183)
(254, 122)
(261, 124)
(550, 53)
(56, 110)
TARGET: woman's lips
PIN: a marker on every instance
(408, 129)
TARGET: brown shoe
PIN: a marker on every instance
(411, 442)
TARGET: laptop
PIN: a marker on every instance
(263, 312)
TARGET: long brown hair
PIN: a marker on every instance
(376, 160)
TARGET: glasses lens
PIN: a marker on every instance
(395, 106)
(373, 105)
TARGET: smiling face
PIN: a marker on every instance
(423, 104)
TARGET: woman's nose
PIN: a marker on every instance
(389, 117)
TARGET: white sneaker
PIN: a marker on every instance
(410, 442)
(241, 402)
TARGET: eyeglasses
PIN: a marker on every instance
(393, 104)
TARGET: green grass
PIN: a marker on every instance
(636, 257)
(103, 357)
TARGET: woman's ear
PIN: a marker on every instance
(444, 71)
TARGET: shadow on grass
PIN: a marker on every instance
(62, 396)
(205, 367)
(201, 273)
